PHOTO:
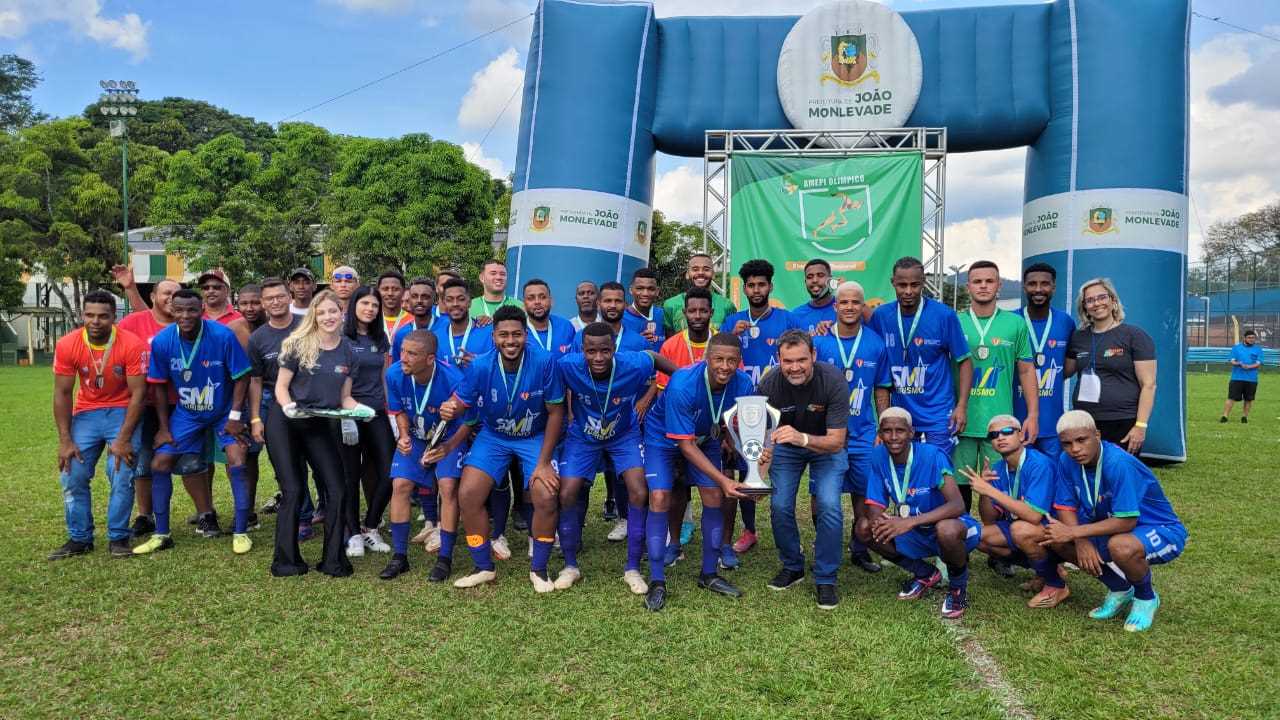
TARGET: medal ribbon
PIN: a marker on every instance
(453, 350)
(538, 338)
(979, 328)
(688, 345)
(421, 405)
(900, 490)
(715, 411)
(756, 321)
(847, 360)
(515, 386)
(648, 318)
(1017, 475)
(195, 347)
(1038, 344)
(906, 337)
(100, 366)
(1097, 479)
(608, 392)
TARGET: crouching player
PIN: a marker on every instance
(922, 514)
(1013, 499)
(417, 386)
(1115, 520)
(685, 421)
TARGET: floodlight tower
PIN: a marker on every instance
(119, 101)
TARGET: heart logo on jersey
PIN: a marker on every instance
(858, 362)
(524, 396)
(919, 341)
(1053, 343)
(995, 341)
(617, 401)
(205, 363)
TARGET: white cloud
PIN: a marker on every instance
(678, 193)
(491, 90)
(494, 166)
(998, 239)
(485, 15)
(377, 6)
(127, 32)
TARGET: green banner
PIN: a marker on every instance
(860, 213)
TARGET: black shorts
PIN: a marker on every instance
(1239, 390)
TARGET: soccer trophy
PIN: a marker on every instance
(753, 414)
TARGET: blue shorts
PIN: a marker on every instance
(187, 464)
(410, 467)
(1016, 556)
(662, 461)
(189, 435)
(1162, 542)
(492, 453)
(1049, 445)
(855, 477)
(584, 457)
(922, 543)
(941, 439)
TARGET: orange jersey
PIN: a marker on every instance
(102, 371)
(681, 351)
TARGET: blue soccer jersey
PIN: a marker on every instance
(1120, 486)
(921, 365)
(1049, 350)
(475, 340)
(760, 339)
(863, 361)
(1035, 482)
(604, 409)
(1245, 355)
(810, 317)
(557, 339)
(921, 492)
(512, 404)
(624, 340)
(421, 401)
(203, 372)
(685, 409)
(403, 332)
(636, 323)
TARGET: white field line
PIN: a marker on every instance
(989, 672)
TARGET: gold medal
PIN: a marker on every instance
(904, 511)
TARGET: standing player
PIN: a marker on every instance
(104, 414)
(493, 282)
(758, 329)
(586, 295)
(859, 354)
(684, 427)
(302, 286)
(249, 305)
(550, 332)
(417, 385)
(699, 273)
(1000, 351)
(390, 287)
(460, 338)
(643, 317)
(606, 385)
(421, 299)
(819, 314)
(1113, 514)
(918, 513)
(1246, 358)
(1049, 330)
(519, 405)
(925, 341)
(343, 282)
(206, 364)
(441, 278)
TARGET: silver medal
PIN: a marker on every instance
(651, 327)
(984, 352)
(848, 375)
(754, 332)
(98, 382)
(904, 511)
(421, 431)
(1039, 359)
(715, 431)
(186, 376)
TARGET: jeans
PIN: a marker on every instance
(826, 477)
(92, 431)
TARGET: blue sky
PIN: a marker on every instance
(269, 60)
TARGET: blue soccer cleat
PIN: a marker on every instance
(1111, 605)
(1142, 614)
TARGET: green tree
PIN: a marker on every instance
(18, 77)
(174, 124)
(671, 244)
(411, 203)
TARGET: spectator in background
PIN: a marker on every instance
(1117, 366)
(699, 273)
(343, 281)
(249, 305)
(1246, 358)
(586, 295)
(302, 286)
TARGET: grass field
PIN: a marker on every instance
(198, 632)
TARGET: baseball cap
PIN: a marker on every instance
(216, 273)
(302, 271)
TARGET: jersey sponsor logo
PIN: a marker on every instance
(1113, 352)
(198, 399)
(909, 380)
(340, 369)
(517, 427)
(118, 370)
(815, 408)
(986, 381)
(856, 398)
(600, 430)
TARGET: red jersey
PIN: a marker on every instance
(680, 350)
(226, 318)
(144, 326)
(102, 370)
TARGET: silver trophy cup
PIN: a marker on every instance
(756, 420)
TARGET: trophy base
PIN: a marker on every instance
(755, 491)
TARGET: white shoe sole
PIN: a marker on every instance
(501, 550)
(540, 585)
(567, 578)
(635, 581)
(476, 578)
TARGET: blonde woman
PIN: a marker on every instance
(315, 374)
(1116, 366)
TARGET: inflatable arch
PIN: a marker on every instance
(1096, 89)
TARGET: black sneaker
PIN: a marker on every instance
(120, 549)
(207, 525)
(828, 599)
(1244, 421)
(442, 570)
(1000, 566)
(71, 548)
(272, 506)
(1222, 419)
(519, 523)
(863, 562)
(719, 585)
(254, 522)
(785, 579)
(193, 518)
(143, 525)
(399, 565)
(610, 510)
(656, 598)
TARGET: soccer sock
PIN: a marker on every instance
(1114, 581)
(430, 508)
(526, 512)
(748, 514)
(958, 576)
(584, 500)
(240, 496)
(1046, 569)
(712, 538)
(400, 538)
(481, 552)
(917, 568)
(570, 537)
(636, 516)
(447, 538)
(656, 539)
(1142, 589)
(161, 494)
(499, 510)
(541, 553)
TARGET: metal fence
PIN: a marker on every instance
(1228, 295)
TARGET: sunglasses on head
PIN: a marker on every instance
(344, 276)
(1002, 432)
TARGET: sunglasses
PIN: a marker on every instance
(211, 286)
(1002, 432)
(344, 276)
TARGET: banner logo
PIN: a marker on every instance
(849, 59)
(642, 232)
(541, 218)
(1101, 221)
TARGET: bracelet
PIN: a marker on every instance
(256, 420)
(805, 438)
(1140, 424)
(233, 415)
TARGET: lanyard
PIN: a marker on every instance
(688, 344)
(1017, 474)
(453, 350)
(608, 392)
(847, 360)
(906, 337)
(421, 405)
(489, 310)
(392, 324)
(100, 366)
(756, 321)
(1037, 344)
(648, 317)
(900, 490)
(617, 341)
(979, 328)
(195, 347)
(1097, 479)
(515, 386)
(538, 339)
(715, 411)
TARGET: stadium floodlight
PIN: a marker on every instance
(120, 100)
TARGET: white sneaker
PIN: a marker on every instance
(373, 541)
(433, 541)
(530, 548)
(501, 550)
(619, 532)
(568, 577)
(636, 582)
(422, 516)
(427, 528)
(355, 546)
(478, 577)
(540, 585)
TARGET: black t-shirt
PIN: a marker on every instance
(821, 403)
(1111, 355)
(264, 351)
(366, 377)
(320, 386)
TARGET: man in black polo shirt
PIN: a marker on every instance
(814, 400)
